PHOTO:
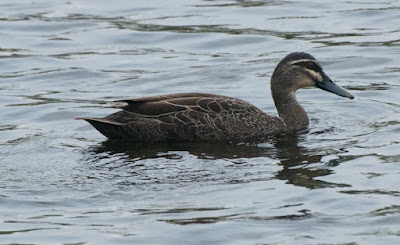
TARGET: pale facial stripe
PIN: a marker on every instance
(304, 60)
(315, 74)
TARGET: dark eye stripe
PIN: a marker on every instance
(310, 65)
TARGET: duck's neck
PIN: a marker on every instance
(291, 112)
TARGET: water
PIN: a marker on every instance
(63, 183)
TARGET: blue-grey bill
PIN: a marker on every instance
(332, 87)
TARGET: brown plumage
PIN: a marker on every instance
(208, 117)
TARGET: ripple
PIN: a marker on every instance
(25, 230)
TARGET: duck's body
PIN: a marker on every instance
(208, 117)
(188, 117)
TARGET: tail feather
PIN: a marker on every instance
(110, 129)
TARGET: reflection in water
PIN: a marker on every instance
(168, 150)
(299, 163)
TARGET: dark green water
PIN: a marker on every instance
(61, 182)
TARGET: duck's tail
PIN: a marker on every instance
(109, 128)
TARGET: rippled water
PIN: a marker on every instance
(63, 182)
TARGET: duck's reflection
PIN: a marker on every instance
(300, 166)
(169, 150)
(297, 164)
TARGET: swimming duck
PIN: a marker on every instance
(208, 117)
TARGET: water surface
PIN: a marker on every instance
(63, 182)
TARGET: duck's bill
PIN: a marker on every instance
(330, 86)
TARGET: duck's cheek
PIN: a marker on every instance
(304, 81)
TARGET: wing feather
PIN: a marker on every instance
(156, 106)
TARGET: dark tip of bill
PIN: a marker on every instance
(348, 95)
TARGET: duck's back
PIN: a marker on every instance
(187, 117)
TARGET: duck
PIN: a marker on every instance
(196, 117)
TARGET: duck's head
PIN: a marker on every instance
(299, 70)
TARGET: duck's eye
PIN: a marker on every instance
(310, 65)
